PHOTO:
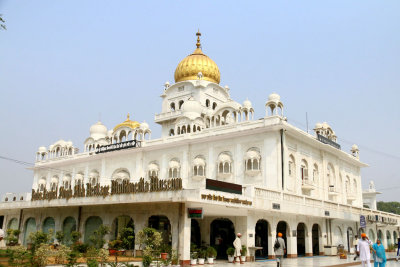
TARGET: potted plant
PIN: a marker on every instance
(230, 252)
(211, 254)
(193, 257)
(127, 236)
(201, 256)
(165, 250)
(243, 253)
(148, 238)
(114, 246)
(174, 258)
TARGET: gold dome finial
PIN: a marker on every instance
(190, 66)
(127, 117)
(198, 38)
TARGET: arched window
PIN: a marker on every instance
(355, 186)
(180, 104)
(42, 184)
(69, 225)
(174, 168)
(121, 175)
(79, 179)
(171, 132)
(153, 170)
(252, 161)
(214, 106)
(315, 173)
(304, 170)
(208, 103)
(94, 177)
(292, 166)
(224, 165)
(92, 224)
(54, 183)
(172, 106)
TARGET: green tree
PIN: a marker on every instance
(392, 207)
(2, 22)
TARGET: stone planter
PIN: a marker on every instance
(193, 261)
(210, 260)
(201, 261)
(139, 253)
(243, 258)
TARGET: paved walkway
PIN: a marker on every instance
(325, 261)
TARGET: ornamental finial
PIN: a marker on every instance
(198, 39)
(127, 117)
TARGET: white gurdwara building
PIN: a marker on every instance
(213, 160)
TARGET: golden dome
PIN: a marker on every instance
(190, 66)
(127, 123)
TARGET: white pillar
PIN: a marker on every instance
(184, 236)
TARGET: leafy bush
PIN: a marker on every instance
(61, 254)
(12, 237)
(18, 256)
(230, 251)
(75, 236)
(201, 253)
(92, 263)
(149, 238)
(147, 259)
(38, 238)
(60, 236)
(97, 239)
(127, 236)
(211, 252)
(115, 244)
(42, 253)
(244, 250)
(80, 247)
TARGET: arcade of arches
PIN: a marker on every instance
(303, 237)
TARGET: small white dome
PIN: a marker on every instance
(318, 125)
(247, 104)
(192, 108)
(325, 125)
(274, 97)
(354, 147)
(69, 143)
(144, 126)
(153, 167)
(42, 181)
(42, 149)
(54, 180)
(98, 131)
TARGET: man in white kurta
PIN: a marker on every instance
(237, 244)
(363, 249)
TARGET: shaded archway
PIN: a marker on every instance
(283, 228)
(92, 224)
(222, 235)
(195, 235)
(388, 238)
(371, 235)
(395, 237)
(380, 235)
(13, 224)
(30, 227)
(315, 239)
(338, 236)
(69, 225)
(162, 224)
(261, 238)
(49, 225)
(119, 224)
(301, 239)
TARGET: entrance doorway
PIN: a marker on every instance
(262, 232)
(195, 236)
(301, 239)
(315, 239)
(222, 235)
(282, 228)
(350, 237)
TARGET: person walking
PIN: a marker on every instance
(398, 249)
(364, 251)
(379, 254)
(237, 244)
(280, 249)
(355, 244)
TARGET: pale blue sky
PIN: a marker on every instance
(64, 62)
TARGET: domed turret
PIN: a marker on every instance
(247, 104)
(192, 108)
(190, 67)
(98, 131)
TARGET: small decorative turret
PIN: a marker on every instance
(355, 151)
(274, 106)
